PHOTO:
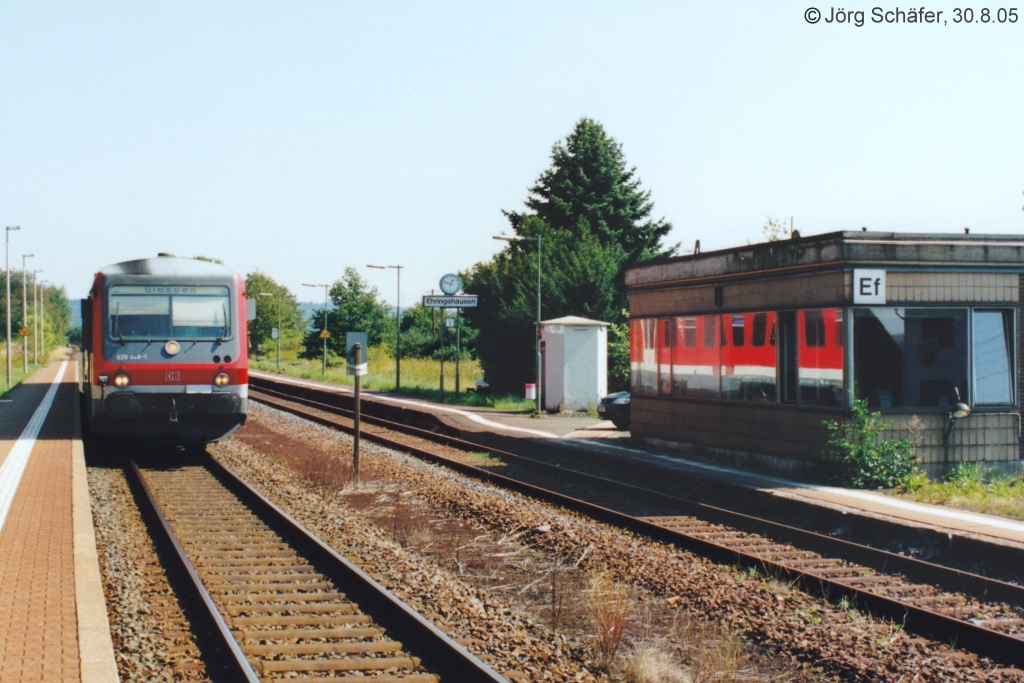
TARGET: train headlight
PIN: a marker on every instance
(172, 347)
(221, 380)
(121, 380)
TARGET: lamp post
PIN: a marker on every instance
(42, 318)
(24, 311)
(536, 239)
(7, 271)
(278, 296)
(35, 316)
(324, 333)
(398, 325)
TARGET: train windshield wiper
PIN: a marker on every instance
(224, 330)
(116, 332)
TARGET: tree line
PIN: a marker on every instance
(55, 313)
(591, 219)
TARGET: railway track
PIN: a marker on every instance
(971, 611)
(280, 603)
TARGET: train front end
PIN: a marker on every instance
(166, 351)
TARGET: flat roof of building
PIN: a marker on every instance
(841, 250)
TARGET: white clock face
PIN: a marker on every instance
(451, 283)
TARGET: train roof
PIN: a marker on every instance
(167, 264)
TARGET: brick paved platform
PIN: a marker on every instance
(53, 621)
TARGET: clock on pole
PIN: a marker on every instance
(451, 284)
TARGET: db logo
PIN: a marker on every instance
(173, 377)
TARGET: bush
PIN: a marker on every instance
(863, 459)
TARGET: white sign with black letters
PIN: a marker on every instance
(868, 286)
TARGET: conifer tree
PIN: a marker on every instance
(594, 221)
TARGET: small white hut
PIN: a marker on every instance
(575, 362)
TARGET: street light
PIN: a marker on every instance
(7, 271)
(398, 325)
(35, 318)
(24, 311)
(42, 318)
(536, 239)
(279, 326)
(324, 333)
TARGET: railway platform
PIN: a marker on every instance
(501, 429)
(53, 619)
(602, 436)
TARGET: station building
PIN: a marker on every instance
(743, 353)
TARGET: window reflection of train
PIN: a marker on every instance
(165, 350)
(790, 357)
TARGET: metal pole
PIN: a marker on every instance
(326, 288)
(540, 388)
(279, 331)
(35, 317)
(357, 350)
(324, 373)
(398, 332)
(24, 311)
(458, 348)
(42, 319)
(538, 239)
(7, 272)
(443, 325)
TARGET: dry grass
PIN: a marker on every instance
(715, 653)
(566, 588)
(609, 605)
(328, 472)
(653, 663)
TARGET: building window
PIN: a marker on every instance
(667, 342)
(689, 332)
(642, 360)
(910, 357)
(748, 370)
(992, 351)
(696, 369)
(820, 357)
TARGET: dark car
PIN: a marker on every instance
(615, 407)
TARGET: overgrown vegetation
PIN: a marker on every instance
(972, 486)
(862, 458)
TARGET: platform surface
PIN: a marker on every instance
(53, 621)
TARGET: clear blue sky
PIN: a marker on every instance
(298, 138)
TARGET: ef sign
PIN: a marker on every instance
(868, 286)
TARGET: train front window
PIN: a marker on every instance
(136, 312)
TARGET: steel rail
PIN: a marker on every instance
(441, 654)
(229, 651)
(981, 639)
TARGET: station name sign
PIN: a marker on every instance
(459, 301)
(868, 286)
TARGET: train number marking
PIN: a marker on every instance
(173, 376)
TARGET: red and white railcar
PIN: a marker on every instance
(165, 350)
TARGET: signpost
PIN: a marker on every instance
(355, 364)
(450, 285)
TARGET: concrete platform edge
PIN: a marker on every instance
(95, 646)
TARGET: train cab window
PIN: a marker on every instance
(164, 312)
